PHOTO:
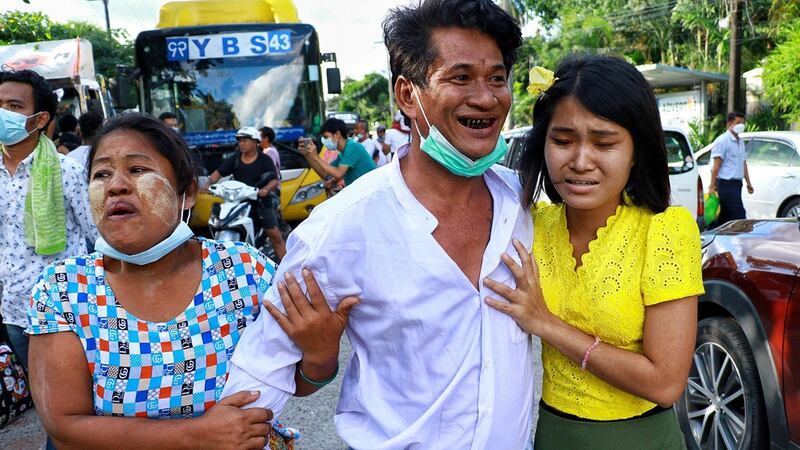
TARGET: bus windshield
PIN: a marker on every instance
(214, 96)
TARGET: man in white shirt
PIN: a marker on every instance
(373, 148)
(28, 105)
(729, 169)
(433, 365)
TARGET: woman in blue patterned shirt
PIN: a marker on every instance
(144, 328)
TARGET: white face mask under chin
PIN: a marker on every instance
(181, 234)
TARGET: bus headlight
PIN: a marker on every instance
(307, 192)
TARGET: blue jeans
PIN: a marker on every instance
(19, 341)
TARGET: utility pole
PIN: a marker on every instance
(735, 59)
(108, 22)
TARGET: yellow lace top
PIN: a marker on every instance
(638, 259)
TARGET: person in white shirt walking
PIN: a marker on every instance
(729, 169)
(433, 365)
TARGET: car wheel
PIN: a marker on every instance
(722, 406)
(792, 208)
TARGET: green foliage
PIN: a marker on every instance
(767, 119)
(522, 108)
(677, 32)
(781, 69)
(702, 133)
(368, 97)
(18, 27)
(22, 27)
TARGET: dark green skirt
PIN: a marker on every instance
(656, 432)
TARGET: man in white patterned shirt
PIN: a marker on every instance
(433, 365)
(26, 93)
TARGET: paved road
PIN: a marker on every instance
(313, 416)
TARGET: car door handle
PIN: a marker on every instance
(789, 175)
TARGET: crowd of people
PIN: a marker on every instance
(157, 323)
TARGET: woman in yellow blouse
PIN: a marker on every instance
(612, 285)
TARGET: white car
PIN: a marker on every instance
(773, 162)
(685, 184)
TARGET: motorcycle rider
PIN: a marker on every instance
(254, 168)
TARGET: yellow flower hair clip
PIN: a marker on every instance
(540, 80)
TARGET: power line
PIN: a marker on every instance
(139, 20)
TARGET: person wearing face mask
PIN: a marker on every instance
(45, 213)
(353, 160)
(373, 148)
(143, 329)
(433, 365)
(170, 120)
(729, 169)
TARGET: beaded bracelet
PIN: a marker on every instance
(318, 384)
(589, 352)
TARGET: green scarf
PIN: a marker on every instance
(44, 221)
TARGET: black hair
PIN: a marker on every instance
(267, 133)
(614, 90)
(44, 99)
(168, 143)
(733, 115)
(167, 115)
(67, 122)
(407, 33)
(90, 122)
(333, 125)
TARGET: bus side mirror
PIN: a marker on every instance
(334, 80)
(123, 88)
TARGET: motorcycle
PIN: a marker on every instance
(232, 220)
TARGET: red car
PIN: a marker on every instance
(744, 385)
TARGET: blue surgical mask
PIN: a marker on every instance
(12, 127)
(359, 137)
(442, 151)
(329, 143)
(181, 234)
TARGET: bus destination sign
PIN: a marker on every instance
(234, 45)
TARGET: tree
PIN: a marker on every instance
(677, 32)
(781, 69)
(368, 97)
(22, 27)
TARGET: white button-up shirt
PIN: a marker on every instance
(733, 155)
(20, 266)
(433, 366)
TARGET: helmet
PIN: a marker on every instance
(249, 132)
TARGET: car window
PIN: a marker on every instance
(704, 158)
(795, 159)
(679, 157)
(514, 153)
(769, 153)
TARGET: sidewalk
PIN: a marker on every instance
(24, 434)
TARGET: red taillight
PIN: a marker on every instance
(701, 202)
